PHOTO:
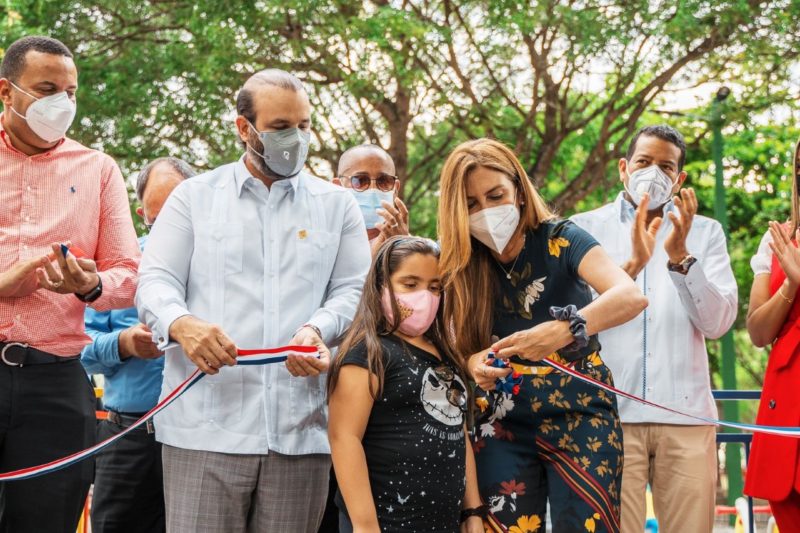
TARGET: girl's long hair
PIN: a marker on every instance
(369, 323)
(466, 263)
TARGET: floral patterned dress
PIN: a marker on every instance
(558, 438)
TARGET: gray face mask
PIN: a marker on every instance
(285, 151)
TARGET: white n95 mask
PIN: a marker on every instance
(494, 226)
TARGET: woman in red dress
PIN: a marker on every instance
(774, 317)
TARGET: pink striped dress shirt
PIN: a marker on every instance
(73, 193)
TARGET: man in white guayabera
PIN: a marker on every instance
(252, 254)
(680, 261)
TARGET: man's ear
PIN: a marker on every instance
(5, 92)
(242, 127)
(623, 168)
(681, 178)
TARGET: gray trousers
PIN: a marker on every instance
(210, 492)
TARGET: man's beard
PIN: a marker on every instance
(256, 148)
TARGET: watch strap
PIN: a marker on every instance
(93, 294)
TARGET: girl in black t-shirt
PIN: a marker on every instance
(398, 401)
(508, 262)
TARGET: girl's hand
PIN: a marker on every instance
(485, 376)
(473, 524)
(535, 343)
(786, 252)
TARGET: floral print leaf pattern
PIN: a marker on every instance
(566, 442)
(555, 245)
(526, 524)
(590, 522)
(556, 398)
(583, 399)
(593, 444)
(533, 292)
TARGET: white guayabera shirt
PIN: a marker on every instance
(260, 263)
(661, 354)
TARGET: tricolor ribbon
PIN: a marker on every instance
(753, 428)
(246, 357)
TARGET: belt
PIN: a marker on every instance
(20, 354)
(127, 420)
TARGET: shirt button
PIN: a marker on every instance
(161, 339)
(27, 219)
(24, 246)
(772, 404)
(29, 188)
(18, 317)
(649, 389)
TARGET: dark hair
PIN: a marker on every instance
(14, 59)
(179, 165)
(663, 132)
(370, 323)
(271, 76)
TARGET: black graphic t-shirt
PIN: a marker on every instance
(545, 275)
(414, 441)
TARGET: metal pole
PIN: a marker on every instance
(733, 458)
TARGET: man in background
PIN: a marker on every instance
(129, 485)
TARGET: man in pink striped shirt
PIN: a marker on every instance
(53, 190)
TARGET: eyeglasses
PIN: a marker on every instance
(362, 182)
(455, 394)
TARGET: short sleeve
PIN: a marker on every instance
(357, 355)
(761, 263)
(569, 243)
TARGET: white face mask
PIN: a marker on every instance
(49, 117)
(653, 181)
(494, 226)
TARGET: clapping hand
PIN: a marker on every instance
(643, 237)
(21, 279)
(69, 275)
(395, 222)
(786, 251)
(675, 244)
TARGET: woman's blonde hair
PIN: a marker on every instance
(465, 262)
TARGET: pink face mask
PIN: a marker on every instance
(417, 310)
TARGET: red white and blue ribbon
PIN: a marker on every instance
(753, 428)
(246, 357)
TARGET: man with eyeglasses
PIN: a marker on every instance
(369, 172)
(128, 485)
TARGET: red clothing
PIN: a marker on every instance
(67, 193)
(772, 471)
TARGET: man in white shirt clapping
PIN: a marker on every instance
(680, 261)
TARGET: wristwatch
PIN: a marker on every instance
(93, 294)
(683, 266)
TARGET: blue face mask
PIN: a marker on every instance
(369, 202)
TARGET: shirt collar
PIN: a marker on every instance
(242, 175)
(6, 140)
(627, 211)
